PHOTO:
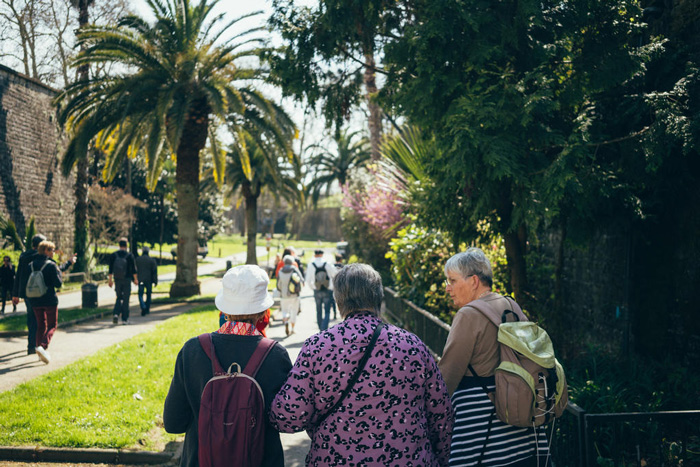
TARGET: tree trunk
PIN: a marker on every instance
(187, 186)
(81, 237)
(129, 190)
(162, 227)
(375, 113)
(517, 266)
(515, 239)
(251, 221)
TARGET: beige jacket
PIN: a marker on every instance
(472, 339)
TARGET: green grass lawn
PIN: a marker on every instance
(19, 322)
(222, 246)
(113, 399)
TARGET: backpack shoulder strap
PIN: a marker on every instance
(321, 268)
(516, 310)
(487, 310)
(495, 316)
(259, 355)
(44, 265)
(207, 344)
(356, 374)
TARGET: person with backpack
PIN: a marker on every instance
(471, 366)
(20, 287)
(7, 282)
(319, 276)
(338, 264)
(289, 283)
(367, 392)
(224, 382)
(44, 278)
(147, 272)
(122, 272)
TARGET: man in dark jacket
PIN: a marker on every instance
(147, 271)
(122, 270)
(19, 287)
(7, 282)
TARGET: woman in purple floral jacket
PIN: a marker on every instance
(399, 410)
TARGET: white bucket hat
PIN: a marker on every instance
(244, 291)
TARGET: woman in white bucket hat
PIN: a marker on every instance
(244, 299)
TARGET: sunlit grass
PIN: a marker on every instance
(110, 400)
(19, 322)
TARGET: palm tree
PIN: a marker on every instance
(256, 163)
(329, 167)
(176, 81)
(80, 237)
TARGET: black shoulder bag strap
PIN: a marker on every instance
(356, 375)
(486, 391)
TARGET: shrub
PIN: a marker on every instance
(418, 257)
(373, 211)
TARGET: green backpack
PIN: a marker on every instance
(531, 386)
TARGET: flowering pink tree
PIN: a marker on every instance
(375, 197)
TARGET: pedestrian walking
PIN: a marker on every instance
(122, 271)
(147, 272)
(19, 290)
(292, 252)
(367, 393)
(7, 282)
(45, 306)
(338, 264)
(243, 299)
(319, 276)
(289, 284)
(468, 365)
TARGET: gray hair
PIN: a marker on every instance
(288, 259)
(469, 263)
(358, 287)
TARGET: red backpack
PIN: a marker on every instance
(232, 411)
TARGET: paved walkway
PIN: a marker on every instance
(76, 342)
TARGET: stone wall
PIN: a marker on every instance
(30, 179)
(322, 223)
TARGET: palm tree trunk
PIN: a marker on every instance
(187, 185)
(375, 113)
(251, 222)
(81, 235)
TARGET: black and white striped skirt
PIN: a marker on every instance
(506, 444)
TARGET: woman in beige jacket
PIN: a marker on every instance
(468, 362)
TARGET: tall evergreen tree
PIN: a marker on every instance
(331, 50)
(510, 91)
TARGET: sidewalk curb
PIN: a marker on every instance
(94, 456)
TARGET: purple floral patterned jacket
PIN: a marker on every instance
(398, 413)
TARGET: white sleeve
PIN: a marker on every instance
(332, 271)
(310, 276)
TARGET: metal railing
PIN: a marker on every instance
(407, 315)
(639, 438)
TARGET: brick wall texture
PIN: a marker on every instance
(30, 180)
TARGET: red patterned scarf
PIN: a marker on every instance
(239, 328)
